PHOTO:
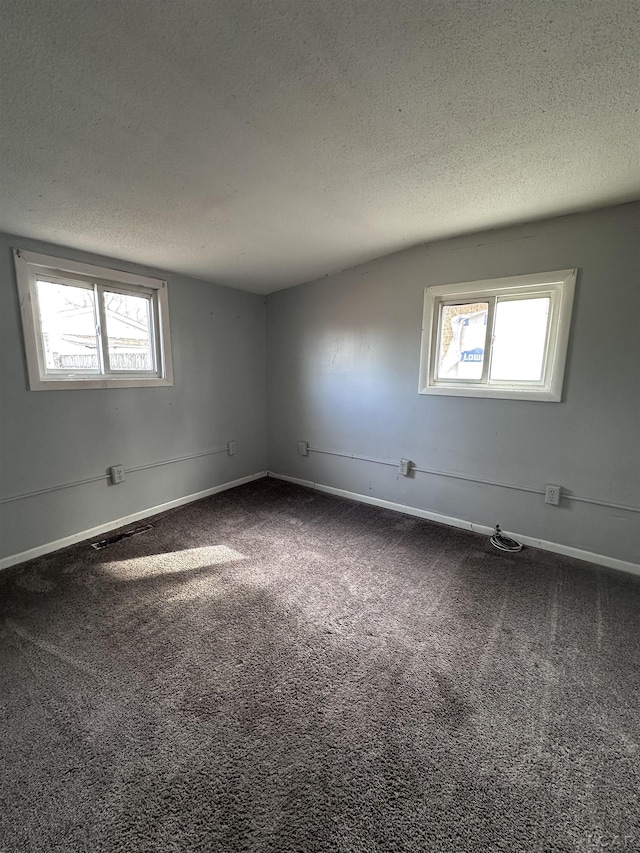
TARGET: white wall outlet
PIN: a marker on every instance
(552, 495)
(303, 448)
(116, 472)
(405, 467)
(231, 448)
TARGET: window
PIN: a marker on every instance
(89, 327)
(504, 338)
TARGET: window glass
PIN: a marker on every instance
(129, 331)
(519, 339)
(86, 326)
(67, 320)
(463, 331)
(502, 338)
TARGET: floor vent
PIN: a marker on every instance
(111, 540)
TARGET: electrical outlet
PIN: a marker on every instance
(405, 467)
(231, 448)
(303, 448)
(552, 495)
(116, 473)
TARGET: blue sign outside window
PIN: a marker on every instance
(476, 354)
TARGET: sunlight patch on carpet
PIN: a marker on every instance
(173, 561)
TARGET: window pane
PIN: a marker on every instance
(67, 320)
(520, 334)
(462, 335)
(129, 336)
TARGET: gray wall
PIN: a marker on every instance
(343, 372)
(343, 357)
(48, 438)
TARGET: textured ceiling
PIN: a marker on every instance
(263, 144)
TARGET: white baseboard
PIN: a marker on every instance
(554, 547)
(32, 553)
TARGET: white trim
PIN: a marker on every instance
(108, 273)
(165, 358)
(91, 383)
(543, 544)
(558, 284)
(27, 265)
(40, 550)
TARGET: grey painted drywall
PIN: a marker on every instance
(343, 356)
(52, 437)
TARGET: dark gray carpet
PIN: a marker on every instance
(273, 669)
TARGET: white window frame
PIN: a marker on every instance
(30, 266)
(559, 285)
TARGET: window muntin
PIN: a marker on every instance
(90, 327)
(504, 338)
